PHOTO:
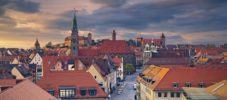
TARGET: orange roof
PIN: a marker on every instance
(155, 73)
(219, 89)
(78, 79)
(225, 54)
(25, 90)
(210, 51)
(192, 75)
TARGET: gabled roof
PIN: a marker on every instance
(193, 75)
(25, 90)
(50, 61)
(219, 89)
(105, 66)
(78, 79)
(21, 68)
(114, 46)
(152, 72)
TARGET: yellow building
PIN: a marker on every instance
(82, 41)
(148, 80)
(106, 79)
(96, 73)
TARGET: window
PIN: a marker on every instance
(175, 84)
(187, 84)
(100, 84)
(172, 94)
(95, 77)
(39, 70)
(159, 94)
(201, 84)
(165, 94)
(67, 92)
(92, 91)
(178, 94)
(51, 91)
(83, 91)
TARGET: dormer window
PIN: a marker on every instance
(92, 91)
(175, 85)
(67, 92)
(187, 84)
(51, 91)
(201, 84)
(83, 91)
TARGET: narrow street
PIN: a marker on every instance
(128, 91)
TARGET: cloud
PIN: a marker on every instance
(19, 5)
(180, 20)
(168, 15)
(110, 3)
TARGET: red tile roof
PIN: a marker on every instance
(7, 82)
(79, 79)
(25, 90)
(114, 46)
(117, 60)
(192, 75)
(50, 61)
(88, 52)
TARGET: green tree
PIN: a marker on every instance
(128, 68)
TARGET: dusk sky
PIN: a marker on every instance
(182, 21)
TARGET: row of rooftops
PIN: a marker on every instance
(80, 79)
(173, 79)
(105, 64)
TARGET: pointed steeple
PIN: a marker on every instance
(75, 27)
(37, 45)
(163, 36)
(74, 37)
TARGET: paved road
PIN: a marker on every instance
(128, 91)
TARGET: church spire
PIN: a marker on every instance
(75, 27)
(74, 37)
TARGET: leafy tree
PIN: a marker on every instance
(128, 68)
